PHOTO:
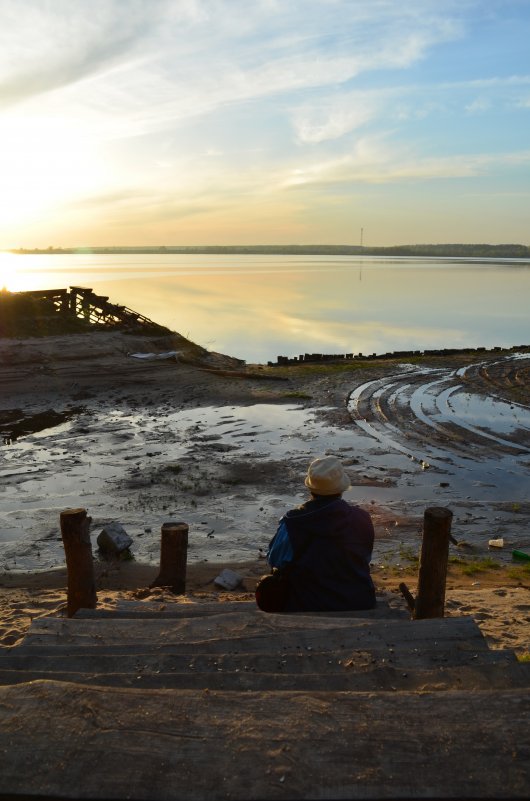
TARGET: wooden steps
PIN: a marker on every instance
(379, 679)
(186, 701)
(151, 609)
(98, 742)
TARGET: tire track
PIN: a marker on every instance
(448, 415)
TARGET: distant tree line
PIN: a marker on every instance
(439, 251)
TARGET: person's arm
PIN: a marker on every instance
(280, 550)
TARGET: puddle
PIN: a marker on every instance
(14, 424)
(231, 472)
(446, 408)
(114, 466)
(488, 414)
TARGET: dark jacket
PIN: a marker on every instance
(333, 572)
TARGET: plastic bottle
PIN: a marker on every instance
(521, 555)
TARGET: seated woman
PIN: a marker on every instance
(328, 544)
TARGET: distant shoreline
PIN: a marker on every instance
(506, 251)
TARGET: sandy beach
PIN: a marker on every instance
(500, 604)
(232, 494)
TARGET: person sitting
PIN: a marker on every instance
(327, 544)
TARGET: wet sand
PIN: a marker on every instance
(143, 442)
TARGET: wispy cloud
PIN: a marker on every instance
(330, 117)
(159, 61)
(147, 111)
(371, 162)
(44, 48)
(336, 116)
(478, 105)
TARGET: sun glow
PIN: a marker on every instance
(9, 275)
(45, 164)
(22, 273)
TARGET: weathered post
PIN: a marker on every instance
(173, 557)
(409, 598)
(430, 600)
(79, 562)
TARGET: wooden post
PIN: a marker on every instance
(409, 598)
(430, 600)
(79, 563)
(173, 557)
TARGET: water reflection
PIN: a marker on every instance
(257, 307)
(127, 466)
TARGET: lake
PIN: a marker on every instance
(257, 307)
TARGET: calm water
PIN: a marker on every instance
(259, 307)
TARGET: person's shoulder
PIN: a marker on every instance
(357, 511)
(298, 511)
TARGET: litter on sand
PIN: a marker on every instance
(170, 354)
(228, 579)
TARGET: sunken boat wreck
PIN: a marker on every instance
(47, 312)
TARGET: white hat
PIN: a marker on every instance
(326, 476)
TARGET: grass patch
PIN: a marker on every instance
(471, 567)
(519, 572)
(297, 395)
(175, 469)
(523, 657)
(408, 554)
(331, 368)
(480, 566)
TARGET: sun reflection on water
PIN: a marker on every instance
(24, 273)
(5, 276)
(11, 277)
(256, 307)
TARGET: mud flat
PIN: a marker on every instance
(196, 437)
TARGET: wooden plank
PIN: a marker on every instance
(300, 662)
(66, 740)
(379, 679)
(402, 657)
(329, 641)
(131, 609)
(234, 629)
(139, 609)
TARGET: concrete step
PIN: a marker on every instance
(59, 738)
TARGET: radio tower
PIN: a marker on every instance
(361, 261)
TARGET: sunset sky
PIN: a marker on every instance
(146, 122)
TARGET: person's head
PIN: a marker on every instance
(326, 476)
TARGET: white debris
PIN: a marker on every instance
(169, 354)
(497, 543)
(228, 579)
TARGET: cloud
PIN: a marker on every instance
(371, 162)
(161, 110)
(163, 61)
(332, 116)
(478, 105)
(44, 48)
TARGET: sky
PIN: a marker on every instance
(202, 122)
